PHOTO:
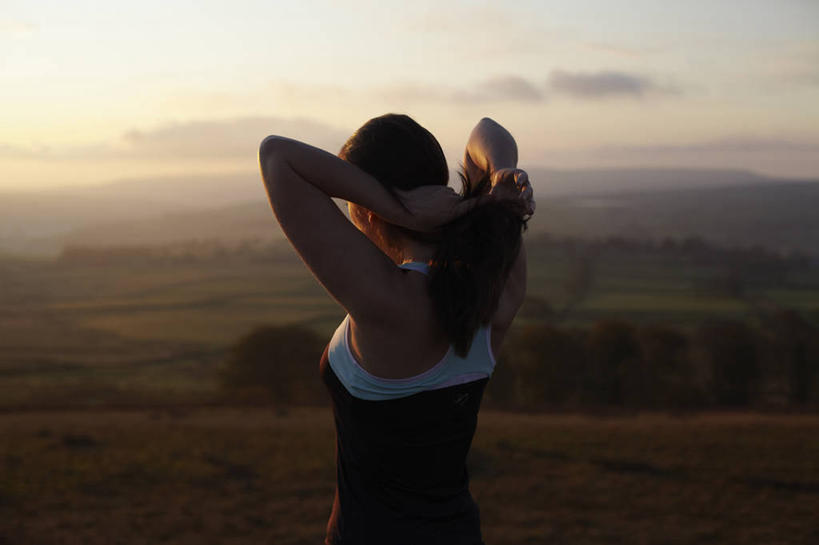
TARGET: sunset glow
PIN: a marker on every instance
(94, 91)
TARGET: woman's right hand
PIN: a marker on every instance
(513, 184)
(431, 206)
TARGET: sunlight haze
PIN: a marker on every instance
(96, 91)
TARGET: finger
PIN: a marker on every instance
(504, 176)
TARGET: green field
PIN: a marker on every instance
(139, 331)
(106, 370)
(250, 476)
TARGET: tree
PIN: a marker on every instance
(275, 362)
(540, 366)
(730, 349)
(665, 377)
(795, 343)
(612, 348)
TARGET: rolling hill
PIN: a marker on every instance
(732, 208)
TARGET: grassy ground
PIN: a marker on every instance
(141, 334)
(251, 476)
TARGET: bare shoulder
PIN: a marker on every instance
(406, 344)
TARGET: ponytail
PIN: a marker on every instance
(475, 252)
(472, 262)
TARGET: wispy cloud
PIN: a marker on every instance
(512, 88)
(503, 88)
(227, 139)
(786, 156)
(604, 84)
(506, 88)
(737, 144)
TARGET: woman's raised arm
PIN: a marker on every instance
(492, 153)
(301, 181)
(490, 148)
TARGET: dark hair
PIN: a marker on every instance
(475, 252)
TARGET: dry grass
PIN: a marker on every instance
(251, 476)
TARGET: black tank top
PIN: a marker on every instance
(401, 466)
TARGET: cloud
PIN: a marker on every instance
(503, 88)
(777, 156)
(226, 139)
(791, 156)
(507, 88)
(495, 89)
(512, 88)
(737, 144)
(604, 84)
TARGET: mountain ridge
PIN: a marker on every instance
(593, 202)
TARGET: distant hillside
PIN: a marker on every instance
(229, 224)
(780, 216)
(550, 182)
(727, 207)
(38, 222)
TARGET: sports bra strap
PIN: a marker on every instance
(415, 266)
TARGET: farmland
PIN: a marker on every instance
(128, 328)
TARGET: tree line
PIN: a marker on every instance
(610, 365)
(763, 261)
(615, 364)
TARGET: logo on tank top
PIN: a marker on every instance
(461, 399)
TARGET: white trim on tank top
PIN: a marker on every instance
(361, 383)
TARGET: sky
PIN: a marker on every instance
(95, 91)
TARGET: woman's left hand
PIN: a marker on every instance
(513, 184)
(431, 206)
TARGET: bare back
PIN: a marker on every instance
(415, 341)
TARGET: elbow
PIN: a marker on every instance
(488, 122)
(271, 151)
(269, 147)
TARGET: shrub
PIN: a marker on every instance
(278, 363)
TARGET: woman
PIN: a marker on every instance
(431, 281)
